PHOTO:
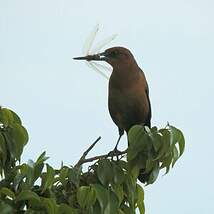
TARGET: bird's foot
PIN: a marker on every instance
(114, 153)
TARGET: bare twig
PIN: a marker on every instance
(83, 158)
(79, 163)
(102, 156)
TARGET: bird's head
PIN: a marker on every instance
(114, 56)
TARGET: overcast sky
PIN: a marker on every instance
(63, 103)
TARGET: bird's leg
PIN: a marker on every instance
(118, 140)
(115, 150)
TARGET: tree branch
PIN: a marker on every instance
(103, 156)
(83, 158)
(79, 163)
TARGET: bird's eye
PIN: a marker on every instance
(113, 54)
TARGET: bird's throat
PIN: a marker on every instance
(123, 77)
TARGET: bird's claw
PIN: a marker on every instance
(113, 153)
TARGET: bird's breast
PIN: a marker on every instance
(128, 105)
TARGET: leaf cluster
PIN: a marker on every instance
(108, 186)
(151, 150)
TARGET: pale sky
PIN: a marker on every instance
(63, 103)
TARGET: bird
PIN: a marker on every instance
(128, 92)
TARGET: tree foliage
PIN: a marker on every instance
(109, 185)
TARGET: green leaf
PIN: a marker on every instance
(27, 195)
(102, 195)
(113, 203)
(156, 141)
(5, 208)
(175, 156)
(6, 117)
(47, 178)
(118, 190)
(11, 146)
(16, 118)
(7, 192)
(120, 212)
(127, 210)
(3, 150)
(177, 137)
(37, 171)
(154, 174)
(86, 196)
(138, 139)
(18, 181)
(118, 174)
(27, 171)
(19, 133)
(63, 175)
(130, 191)
(123, 164)
(166, 163)
(65, 209)
(140, 199)
(74, 175)
(104, 171)
(17, 138)
(50, 205)
(42, 158)
(165, 147)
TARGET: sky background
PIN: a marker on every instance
(63, 103)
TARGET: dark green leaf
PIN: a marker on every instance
(140, 199)
(166, 163)
(47, 178)
(127, 210)
(138, 139)
(118, 174)
(177, 137)
(50, 205)
(113, 203)
(156, 141)
(27, 195)
(7, 192)
(86, 196)
(37, 171)
(65, 209)
(6, 117)
(165, 147)
(175, 155)
(118, 190)
(105, 171)
(5, 208)
(17, 138)
(3, 150)
(16, 118)
(42, 158)
(74, 175)
(102, 195)
(154, 174)
(130, 191)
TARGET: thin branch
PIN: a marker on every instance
(111, 154)
(79, 163)
(102, 156)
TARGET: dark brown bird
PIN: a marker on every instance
(128, 98)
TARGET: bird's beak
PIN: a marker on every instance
(95, 57)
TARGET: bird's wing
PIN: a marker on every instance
(148, 120)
